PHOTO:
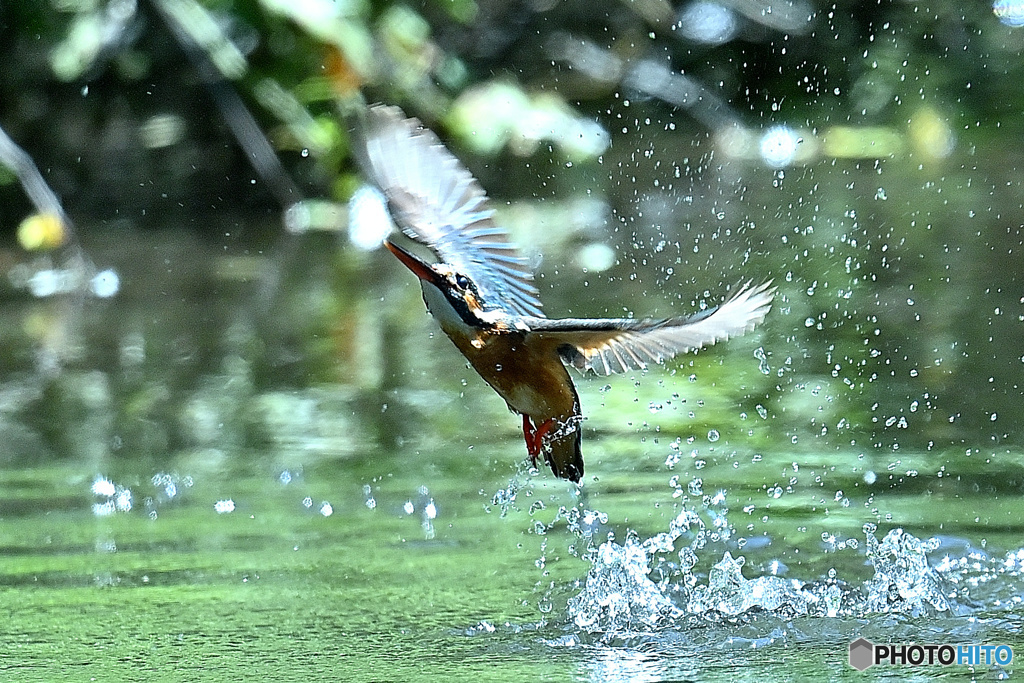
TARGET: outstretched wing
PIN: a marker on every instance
(438, 203)
(613, 345)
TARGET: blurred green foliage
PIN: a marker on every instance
(84, 79)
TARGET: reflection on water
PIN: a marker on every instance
(262, 445)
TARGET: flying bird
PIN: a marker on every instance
(481, 292)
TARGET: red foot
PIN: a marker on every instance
(534, 436)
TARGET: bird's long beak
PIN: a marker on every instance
(414, 263)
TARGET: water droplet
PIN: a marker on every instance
(762, 358)
(103, 487)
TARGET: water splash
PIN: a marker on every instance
(618, 595)
(729, 594)
(904, 582)
(633, 587)
(638, 586)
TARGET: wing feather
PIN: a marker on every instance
(616, 345)
(437, 202)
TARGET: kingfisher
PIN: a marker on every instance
(482, 293)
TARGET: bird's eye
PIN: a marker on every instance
(462, 281)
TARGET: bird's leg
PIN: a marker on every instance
(534, 436)
(541, 431)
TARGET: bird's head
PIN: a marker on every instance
(458, 289)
